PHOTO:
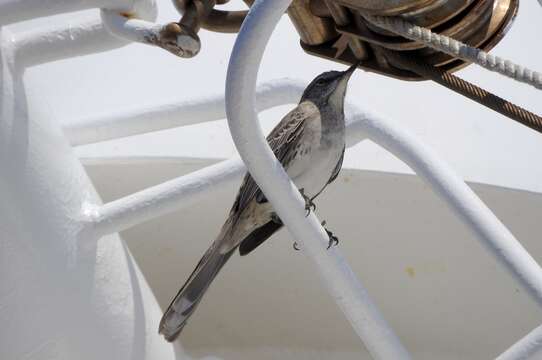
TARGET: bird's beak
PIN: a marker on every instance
(350, 71)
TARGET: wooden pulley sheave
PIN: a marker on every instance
(338, 30)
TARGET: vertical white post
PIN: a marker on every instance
(65, 294)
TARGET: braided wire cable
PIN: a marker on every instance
(457, 49)
(466, 89)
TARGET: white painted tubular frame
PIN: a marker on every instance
(174, 114)
(465, 204)
(86, 35)
(121, 22)
(528, 348)
(12, 11)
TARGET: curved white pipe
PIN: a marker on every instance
(174, 114)
(466, 205)
(12, 11)
(161, 199)
(86, 34)
(528, 348)
(136, 26)
(343, 285)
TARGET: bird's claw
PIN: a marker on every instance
(333, 240)
(309, 204)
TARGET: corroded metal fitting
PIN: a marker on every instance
(179, 40)
(337, 29)
(198, 14)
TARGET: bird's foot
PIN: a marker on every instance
(309, 204)
(333, 240)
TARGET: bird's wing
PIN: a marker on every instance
(337, 169)
(282, 140)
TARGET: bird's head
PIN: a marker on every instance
(329, 87)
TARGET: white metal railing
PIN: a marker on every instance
(530, 347)
(126, 20)
(169, 114)
(34, 169)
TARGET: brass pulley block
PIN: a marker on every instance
(337, 30)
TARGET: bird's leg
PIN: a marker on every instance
(333, 240)
(309, 204)
(275, 218)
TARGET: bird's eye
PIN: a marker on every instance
(320, 82)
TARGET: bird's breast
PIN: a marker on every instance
(317, 155)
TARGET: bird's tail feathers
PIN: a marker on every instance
(188, 298)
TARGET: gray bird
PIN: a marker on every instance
(309, 142)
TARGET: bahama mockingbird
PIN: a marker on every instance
(309, 142)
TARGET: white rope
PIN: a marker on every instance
(458, 49)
